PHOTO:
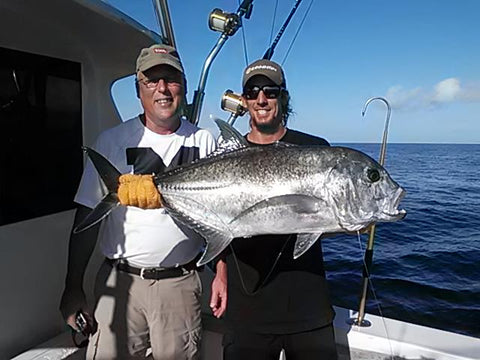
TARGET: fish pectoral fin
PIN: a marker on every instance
(215, 245)
(212, 227)
(100, 212)
(217, 234)
(302, 204)
(303, 243)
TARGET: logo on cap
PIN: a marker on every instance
(259, 67)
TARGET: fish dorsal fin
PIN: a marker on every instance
(303, 243)
(230, 138)
(229, 133)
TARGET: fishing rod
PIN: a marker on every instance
(368, 259)
(269, 53)
(227, 24)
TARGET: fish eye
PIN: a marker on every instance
(373, 175)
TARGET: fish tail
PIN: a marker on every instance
(109, 175)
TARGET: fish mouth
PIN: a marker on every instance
(394, 216)
(393, 213)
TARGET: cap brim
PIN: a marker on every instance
(253, 74)
(162, 61)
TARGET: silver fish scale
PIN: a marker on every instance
(249, 171)
(261, 164)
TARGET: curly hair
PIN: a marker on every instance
(285, 105)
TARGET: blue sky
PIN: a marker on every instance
(422, 55)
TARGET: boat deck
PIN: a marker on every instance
(60, 347)
(385, 339)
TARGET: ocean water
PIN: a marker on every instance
(426, 267)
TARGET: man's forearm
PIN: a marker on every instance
(80, 250)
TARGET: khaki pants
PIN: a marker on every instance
(140, 319)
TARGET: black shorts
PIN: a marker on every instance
(309, 345)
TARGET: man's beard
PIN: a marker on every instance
(270, 128)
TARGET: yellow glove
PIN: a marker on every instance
(139, 191)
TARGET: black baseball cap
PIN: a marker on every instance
(267, 68)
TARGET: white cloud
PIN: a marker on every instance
(401, 98)
(446, 91)
(471, 92)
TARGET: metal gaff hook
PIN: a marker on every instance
(359, 321)
(385, 131)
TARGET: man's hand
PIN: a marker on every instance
(139, 191)
(72, 302)
(218, 301)
(88, 328)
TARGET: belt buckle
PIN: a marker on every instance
(142, 273)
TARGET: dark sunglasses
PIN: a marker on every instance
(271, 92)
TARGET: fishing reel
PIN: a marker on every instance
(232, 103)
(226, 23)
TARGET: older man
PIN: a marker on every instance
(147, 290)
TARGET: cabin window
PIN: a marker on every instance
(40, 135)
(125, 98)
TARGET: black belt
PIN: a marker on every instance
(153, 273)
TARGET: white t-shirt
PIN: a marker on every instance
(146, 238)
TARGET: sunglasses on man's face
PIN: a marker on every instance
(271, 92)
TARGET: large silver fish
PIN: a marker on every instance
(279, 189)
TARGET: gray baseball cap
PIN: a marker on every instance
(267, 68)
(158, 54)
